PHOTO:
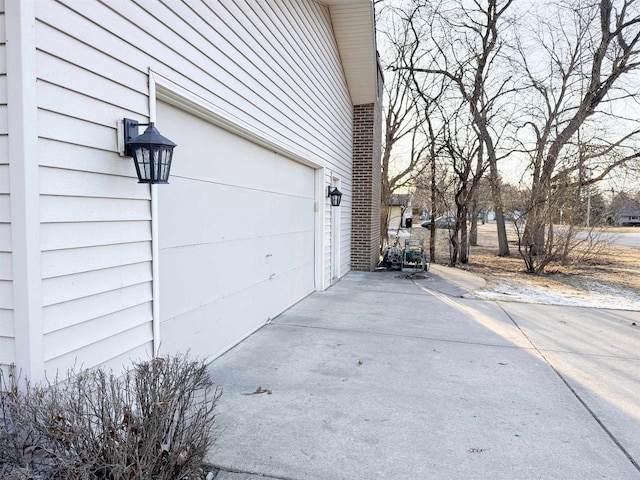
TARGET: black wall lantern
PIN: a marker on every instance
(335, 195)
(151, 152)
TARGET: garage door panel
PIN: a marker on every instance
(222, 323)
(202, 212)
(236, 235)
(196, 275)
(222, 157)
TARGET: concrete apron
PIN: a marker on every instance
(388, 378)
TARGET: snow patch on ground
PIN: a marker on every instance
(591, 294)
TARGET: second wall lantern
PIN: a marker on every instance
(152, 153)
(335, 195)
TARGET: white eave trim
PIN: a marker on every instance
(354, 28)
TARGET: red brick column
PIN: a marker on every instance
(365, 213)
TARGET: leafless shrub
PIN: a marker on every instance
(155, 421)
(578, 246)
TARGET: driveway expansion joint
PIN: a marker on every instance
(253, 474)
(398, 335)
(575, 394)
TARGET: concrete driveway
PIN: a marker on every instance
(383, 377)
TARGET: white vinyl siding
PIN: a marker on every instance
(96, 229)
(7, 330)
(273, 66)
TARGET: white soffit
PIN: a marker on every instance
(354, 28)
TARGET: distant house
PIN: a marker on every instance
(400, 209)
(630, 219)
(270, 102)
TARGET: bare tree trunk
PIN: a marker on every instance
(385, 197)
(473, 232)
(434, 198)
(494, 181)
(464, 239)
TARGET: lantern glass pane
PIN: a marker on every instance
(155, 172)
(165, 155)
(143, 162)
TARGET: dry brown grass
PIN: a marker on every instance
(614, 266)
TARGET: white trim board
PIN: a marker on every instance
(24, 186)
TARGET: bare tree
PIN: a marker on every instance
(464, 46)
(403, 154)
(586, 56)
(465, 155)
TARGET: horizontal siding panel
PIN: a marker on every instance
(78, 132)
(123, 25)
(3, 81)
(65, 262)
(5, 237)
(318, 65)
(79, 27)
(67, 314)
(69, 287)
(64, 47)
(69, 209)
(4, 122)
(6, 295)
(3, 59)
(95, 354)
(74, 338)
(7, 327)
(4, 149)
(75, 157)
(65, 88)
(4, 179)
(5, 208)
(7, 350)
(74, 183)
(6, 266)
(283, 45)
(57, 236)
(266, 70)
(84, 107)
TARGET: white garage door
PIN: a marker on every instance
(236, 228)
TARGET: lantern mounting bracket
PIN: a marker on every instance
(130, 128)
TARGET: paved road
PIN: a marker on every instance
(627, 239)
(624, 238)
(382, 377)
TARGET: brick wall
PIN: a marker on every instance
(365, 229)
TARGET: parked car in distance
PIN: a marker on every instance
(441, 222)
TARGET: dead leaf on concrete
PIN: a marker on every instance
(477, 450)
(258, 391)
(360, 362)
